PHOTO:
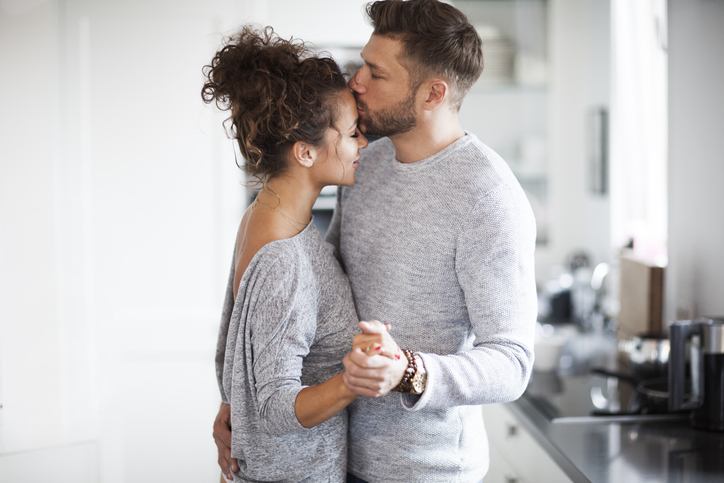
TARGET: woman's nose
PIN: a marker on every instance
(362, 141)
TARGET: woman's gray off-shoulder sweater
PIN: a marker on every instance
(290, 325)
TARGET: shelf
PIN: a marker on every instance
(325, 203)
(508, 87)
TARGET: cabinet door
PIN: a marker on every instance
(520, 456)
(500, 471)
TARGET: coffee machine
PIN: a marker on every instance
(702, 389)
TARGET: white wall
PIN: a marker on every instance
(29, 304)
(695, 276)
(119, 202)
(116, 211)
(579, 54)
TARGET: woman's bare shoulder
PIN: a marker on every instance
(257, 229)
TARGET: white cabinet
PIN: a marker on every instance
(515, 456)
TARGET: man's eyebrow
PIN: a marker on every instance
(374, 66)
(377, 67)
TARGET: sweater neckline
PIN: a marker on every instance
(308, 235)
(433, 159)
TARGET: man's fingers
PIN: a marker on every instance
(225, 459)
(223, 471)
(222, 425)
(362, 386)
(222, 437)
(359, 372)
(224, 464)
(372, 327)
(234, 465)
(371, 376)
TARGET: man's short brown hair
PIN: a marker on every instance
(437, 40)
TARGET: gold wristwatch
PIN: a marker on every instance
(419, 380)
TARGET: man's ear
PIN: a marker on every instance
(304, 154)
(437, 91)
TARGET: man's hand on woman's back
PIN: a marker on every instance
(222, 436)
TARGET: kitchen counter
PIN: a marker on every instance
(636, 451)
(660, 448)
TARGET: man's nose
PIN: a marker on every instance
(354, 83)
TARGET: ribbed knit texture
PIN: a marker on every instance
(291, 324)
(443, 250)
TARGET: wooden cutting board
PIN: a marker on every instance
(641, 298)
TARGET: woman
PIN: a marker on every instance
(288, 318)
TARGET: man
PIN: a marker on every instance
(437, 239)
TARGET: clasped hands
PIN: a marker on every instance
(376, 364)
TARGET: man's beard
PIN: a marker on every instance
(390, 121)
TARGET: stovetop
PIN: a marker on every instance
(585, 398)
(573, 394)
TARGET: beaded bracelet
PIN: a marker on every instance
(405, 384)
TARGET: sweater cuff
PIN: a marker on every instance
(280, 417)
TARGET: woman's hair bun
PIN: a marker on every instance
(278, 91)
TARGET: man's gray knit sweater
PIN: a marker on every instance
(290, 325)
(443, 250)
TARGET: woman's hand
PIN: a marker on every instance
(370, 374)
(376, 340)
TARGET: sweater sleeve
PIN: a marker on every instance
(283, 326)
(224, 331)
(494, 263)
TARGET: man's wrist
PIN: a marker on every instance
(414, 379)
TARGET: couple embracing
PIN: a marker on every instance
(431, 242)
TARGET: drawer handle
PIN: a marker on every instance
(512, 430)
(511, 479)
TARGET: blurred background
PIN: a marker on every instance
(120, 197)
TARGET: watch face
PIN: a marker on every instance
(418, 383)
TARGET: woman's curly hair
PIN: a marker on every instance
(278, 93)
